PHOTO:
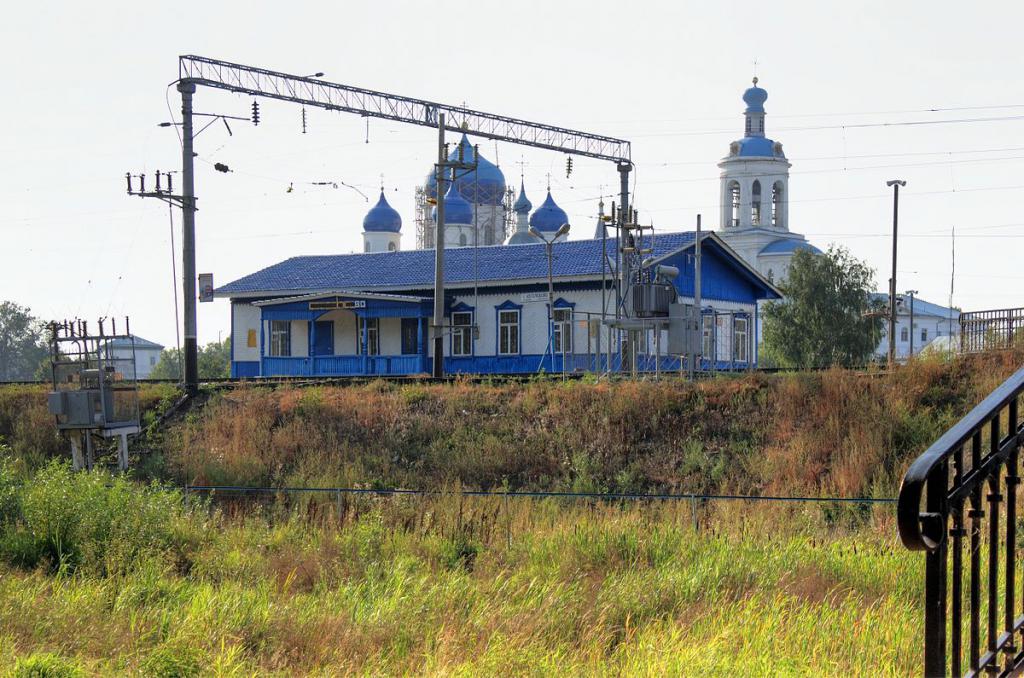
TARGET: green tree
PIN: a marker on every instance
(22, 342)
(828, 316)
(214, 362)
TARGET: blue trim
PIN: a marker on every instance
(245, 369)
(508, 305)
(462, 307)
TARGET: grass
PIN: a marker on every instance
(450, 586)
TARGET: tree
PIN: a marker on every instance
(828, 316)
(22, 342)
(214, 362)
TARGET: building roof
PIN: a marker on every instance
(758, 147)
(457, 209)
(139, 342)
(788, 246)
(414, 269)
(754, 98)
(549, 217)
(484, 185)
(523, 203)
(921, 307)
(382, 217)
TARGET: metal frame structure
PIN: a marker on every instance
(194, 71)
(980, 454)
(94, 391)
(992, 329)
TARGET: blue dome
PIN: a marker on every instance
(761, 147)
(382, 217)
(484, 186)
(456, 209)
(788, 246)
(523, 203)
(754, 98)
(549, 217)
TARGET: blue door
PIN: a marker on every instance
(323, 340)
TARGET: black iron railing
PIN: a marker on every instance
(960, 498)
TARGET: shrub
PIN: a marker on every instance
(45, 665)
(93, 521)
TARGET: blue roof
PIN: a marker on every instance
(549, 217)
(754, 98)
(484, 185)
(788, 246)
(523, 203)
(456, 209)
(382, 217)
(758, 147)
(415, 268)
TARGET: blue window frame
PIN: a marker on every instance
(462, 334)
(508, 339)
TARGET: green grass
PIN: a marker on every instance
(449, 586)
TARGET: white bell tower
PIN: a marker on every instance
(755, 175)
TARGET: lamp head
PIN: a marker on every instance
(562, 230)
(535, 233)
(893, 182)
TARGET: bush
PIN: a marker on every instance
(45, 665)
(91, 521)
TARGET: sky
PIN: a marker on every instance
(858, 93)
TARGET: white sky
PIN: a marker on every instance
(85, 89)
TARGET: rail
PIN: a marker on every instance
(946, 484)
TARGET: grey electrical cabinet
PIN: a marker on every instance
(683, 329)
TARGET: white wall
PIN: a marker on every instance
(245, 317)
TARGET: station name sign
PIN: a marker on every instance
(331, 304)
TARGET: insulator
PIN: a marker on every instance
(255, 112)
(158, 181)
(142, 183)
(128, 177)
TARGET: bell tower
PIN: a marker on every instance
(755, 175)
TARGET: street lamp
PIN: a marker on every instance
(548, 244)
(895, 183)
(911, 294)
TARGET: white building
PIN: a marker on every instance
(146, 353)
(931, 323)
(754, 217)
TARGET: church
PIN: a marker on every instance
(754, 179)
(369, 313)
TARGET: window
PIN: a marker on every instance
(755, 203)
(708, 335)
(462, 333)
(734, 194)
(372, 335)
(508, 332)
(739, 340)
(152, 360)
(391, 247)
(280, 338)
(924, 334)
(904, 334)
(777, 204)
(366, 246)
(462, 239)
(562, 320)
(410, 336)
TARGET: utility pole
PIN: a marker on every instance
(438, 324)
(188, 237)
(895, 183)
(625, 245)
(911, 293)
(699, 342)
(549, 243)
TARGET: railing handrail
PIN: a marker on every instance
(908, 507)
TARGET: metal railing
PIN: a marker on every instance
(941, 509)
(991, 329)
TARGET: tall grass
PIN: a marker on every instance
(834, 432)
(450, 586)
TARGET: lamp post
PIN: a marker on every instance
(895, 183)
(548, 245)
(911, 294)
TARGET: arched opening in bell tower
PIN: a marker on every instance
(755, 203)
